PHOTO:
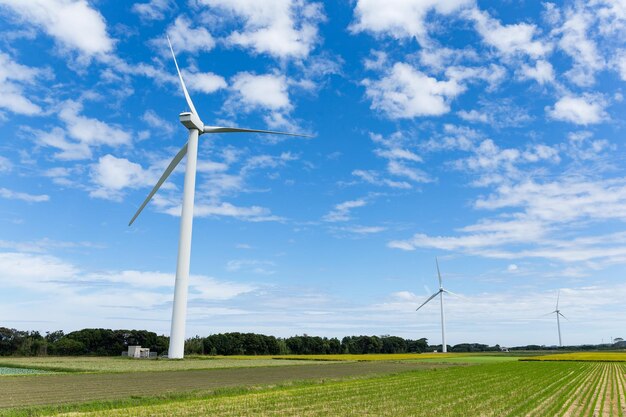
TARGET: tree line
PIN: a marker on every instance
(107, 342)
(259, 344)
(96, 342)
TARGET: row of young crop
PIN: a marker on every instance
(580, 356)
(507, 389)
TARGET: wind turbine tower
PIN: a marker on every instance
(444, 346)
(558, 313)
(195, 128)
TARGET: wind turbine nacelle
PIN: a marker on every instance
(191, 121)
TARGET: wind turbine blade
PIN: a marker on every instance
(221, 129)
(429, 298)
(438, 273)
(558, 295)
(182, 82)
(561, 314)
(166, 174)
(453, 293)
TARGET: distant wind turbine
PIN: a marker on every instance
(440, 294)
(192, 122)
(558, 313)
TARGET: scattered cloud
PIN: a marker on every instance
(341, 211)
(204, 82)
(267, 91)
(406, 93)
(153, 9)
(401, 18)
(13, 78)
(29, 198)
(584, 110)
(253, 266)
(73, 24)
(576, 42)
(519, 38)
(81, 133)
(284, 29)
(542, 72)
(112, 175)
(185, 38)
(5, 164)
(546, 214)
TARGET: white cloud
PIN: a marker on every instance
(473, 116)
(29, 198)
(583, 110)
(400, 159)
(13, 77)
(401, 18)
(542, 72)
(282, 28)
(400, 169)
(489, 157)
(5, 164)
(341, 212)
(408, 93)
(579, 45)
(73, 23)
(152, 10)
(157, 124)
(398, 153)
(374, 178)
(261, 91)
(111, 175)
(620, 63)
(204, 82)
(542, 221)
(81, 133)
(49, 278)
(251, 266)
(186, 38)
(57, 138)
(363, 230)
(251, 214)
(509, 39)
(91, 131)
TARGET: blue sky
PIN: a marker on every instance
(489, 134)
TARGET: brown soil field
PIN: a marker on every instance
(21, 391)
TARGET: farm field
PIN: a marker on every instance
(119, 364)
(439, 357)
(506, 387)
(51, 389)
(582, 356)
(502, 389)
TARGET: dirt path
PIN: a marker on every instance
(76, 388)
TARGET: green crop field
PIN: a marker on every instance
(582, 356)
(495, 385)
(503, 389)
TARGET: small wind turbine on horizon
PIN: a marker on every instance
(444, 347)
(558, 313)
(194, 125)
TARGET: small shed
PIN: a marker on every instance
(138, 352)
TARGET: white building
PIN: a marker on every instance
(138, 352)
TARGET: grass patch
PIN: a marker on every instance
(581, 357)
(119, 364)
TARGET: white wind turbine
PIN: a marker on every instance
(440, 294)
(194, 125)
(558, 313)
